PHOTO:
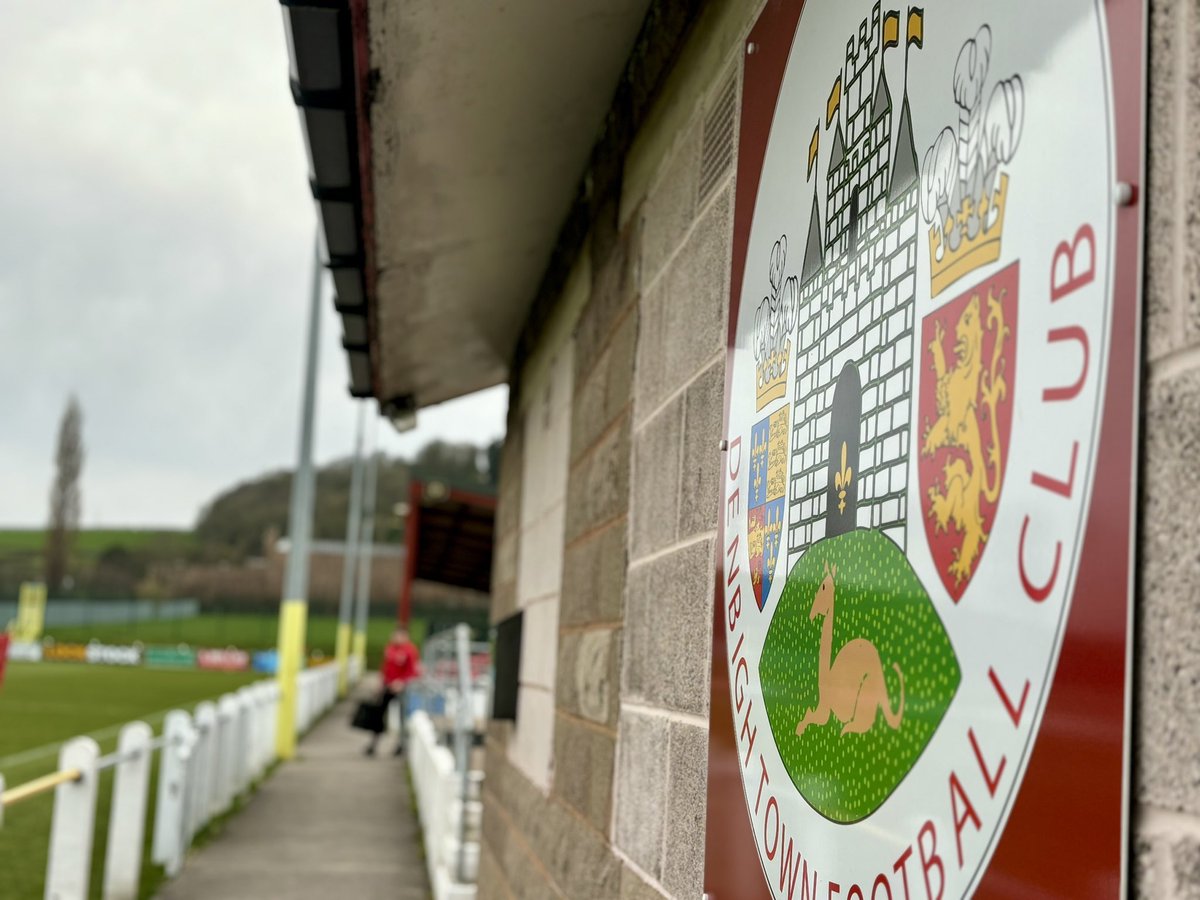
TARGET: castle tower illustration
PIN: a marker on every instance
(856, 314)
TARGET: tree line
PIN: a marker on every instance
(232, 526)
(229, 529)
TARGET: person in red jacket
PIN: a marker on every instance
(401, 665)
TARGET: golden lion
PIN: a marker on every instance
(959, 393)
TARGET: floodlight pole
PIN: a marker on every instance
(349, 560)
(365, 560)
(293, 608)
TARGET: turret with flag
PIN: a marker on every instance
(891, 28)
(916, 26)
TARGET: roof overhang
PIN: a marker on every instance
(328, 91)
(447, 144)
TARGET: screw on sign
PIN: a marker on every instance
(913, 532)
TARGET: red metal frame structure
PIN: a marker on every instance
(447, 539)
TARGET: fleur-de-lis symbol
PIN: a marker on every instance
(842, 479)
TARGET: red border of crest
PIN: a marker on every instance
(1076, 789)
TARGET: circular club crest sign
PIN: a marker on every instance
(919, 346)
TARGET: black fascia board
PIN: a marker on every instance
(331, 194)
(343, 99)
(336, 99)
(313, 4)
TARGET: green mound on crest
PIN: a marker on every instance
(846, 777)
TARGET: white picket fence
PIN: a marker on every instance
(448, 790)
(209, 759)
(453, 864)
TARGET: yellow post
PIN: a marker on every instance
(343, 657)
(360, 651)
(293, 616)
(31, 613)
(39, 613)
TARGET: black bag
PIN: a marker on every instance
(369, 716)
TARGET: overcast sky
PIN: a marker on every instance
(155, 245)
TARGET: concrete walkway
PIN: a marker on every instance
(330, 823)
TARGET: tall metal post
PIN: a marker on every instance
(365, 559)
(293, 608)
(350, 560)
(464, 736)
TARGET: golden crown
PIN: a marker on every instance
(771, 375)
(949, 263)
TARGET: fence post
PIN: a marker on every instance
(72, 823)
(305, 689)
(462, 741)
(246, 730)
(268, 723)
(227, 715)
(249, 697)
(257, 732)
(191, 787)
(206, 726)
(172, 783)
(238, 757)
(127, 819)
(267, 694)
(273, 721)
(212, 778)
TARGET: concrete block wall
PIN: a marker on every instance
(546, 428)
(1166, 853)
(560, 845)
(679, 379)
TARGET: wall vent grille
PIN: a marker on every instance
(720, 123)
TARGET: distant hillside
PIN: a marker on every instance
(121, 563)
(233, 524)
(104, 562)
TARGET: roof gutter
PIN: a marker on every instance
(329, 63)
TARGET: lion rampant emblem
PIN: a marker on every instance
(972, 473)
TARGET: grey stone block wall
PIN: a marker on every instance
(560, 845)
(1165, 858)
(678, 407)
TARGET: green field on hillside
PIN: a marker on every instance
(93, 541)
(42, 705)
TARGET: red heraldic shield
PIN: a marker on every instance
(968, 351)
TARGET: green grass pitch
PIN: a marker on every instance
(42, 705)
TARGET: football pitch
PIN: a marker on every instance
(43, 704)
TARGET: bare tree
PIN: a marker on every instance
(64, 494)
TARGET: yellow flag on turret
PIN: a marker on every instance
(835, 97)
(891, 28)
(813, 146)
(916, 25)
